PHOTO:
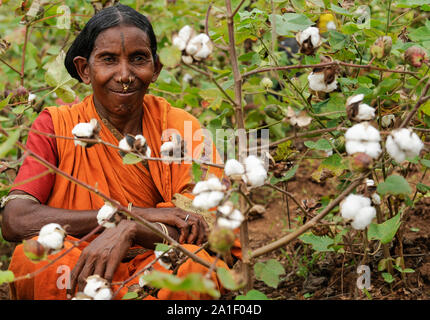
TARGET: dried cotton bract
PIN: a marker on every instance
(402, 144)
(358, 209)
(97, 288)
(51, 236)
(362, 137)
(86, 130)
(208, 193)
(106, 215)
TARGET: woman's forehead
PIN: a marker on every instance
(121, 37)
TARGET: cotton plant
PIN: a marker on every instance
(403, 143)
(173, 149)
(357, 208)
(86, 130)
(229, 217)
(357, 110)
(363, 137)
(208, 193)
(194, 47)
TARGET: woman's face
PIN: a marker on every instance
(120, 54)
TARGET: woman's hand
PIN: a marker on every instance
(103, 255)
(193, 230)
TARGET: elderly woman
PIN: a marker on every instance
(116, 54)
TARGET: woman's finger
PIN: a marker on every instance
(76, 271)
(87, 271)
(202, 234)
(194, 232)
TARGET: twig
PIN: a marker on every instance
(12, 68)
(237, 9)
(293, 235)
(23, 53)
(420, 101)
(287, 194)
(320, 65)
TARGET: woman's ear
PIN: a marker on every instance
(157, 69)
(82, 68)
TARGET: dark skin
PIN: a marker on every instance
(120, 54)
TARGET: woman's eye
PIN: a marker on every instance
(108, 59)
(139, 58)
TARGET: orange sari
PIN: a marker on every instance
(102, 167)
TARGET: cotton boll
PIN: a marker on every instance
(95, 283)
(123, 145)
(185, 33)
(363, 218)
(353, 146)
(167, 148)
(201, 200)
(387, 120)
(226, 209)
(358, 98)
(376, 199)
(179, 43)
(141, 139)
(203, 53)
(103, 294)
(160, 260)
(214, 184)
(200, 187)
(370, 182)
(215, 197)
(365, 112)
(373, 149)
(31, 97)
(233, 167)
(105, 214)
(148, 152)
(51, 236)
(236, 215)
(317, 82)
(227, 223)
(187, 59)
(356, 133)
(313, 33)
(331, 25)
(394, 151)
(252, 162)
(256, 177)
(83, 130)
(350, 206)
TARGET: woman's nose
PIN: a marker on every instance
(124, 73)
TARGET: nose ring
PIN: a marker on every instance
(125, 85)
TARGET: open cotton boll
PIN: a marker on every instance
(51, 236)
(363, 218)
(83, 130)
(226, 209)
(376, 199)
(331, 25)
(256, 176)
(311, 32)
(95, 283)
(351, 205)
(355, 99)
(203, 53)
(214, 184)
(201, 200)
(103, 294)
(167, 148)
(179, 43)
(387, 120)
(252, 162)
(105, 214)
(372, 149)
(227, 223)
(200, 187)
(123, 145)
(365, 112)
(162, 263)
(187, 59)
(402, 144)
(185, 33)
(233, 167)
(31, 97)
(363, 131)
(214, 198)
(317, 82)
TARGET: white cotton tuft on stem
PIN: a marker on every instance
(403, 143)
(51, 236)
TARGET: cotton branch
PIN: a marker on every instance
(420, 101)
(293, 235)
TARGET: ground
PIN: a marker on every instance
(329, 276)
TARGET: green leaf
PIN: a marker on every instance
(421, 187)
(319, 244)
(170, 56)
(8, 145)
(192, 282)
(290, 22)
(338, 40)
(287, 176)
(227, 279)
(386, 231)
(252, 295)
(321, 144)
(5, 101)
(162, 247)
(131, 159)
(340, 10)
(130, 296)
(387, 277)
(411, 3)
(425, 162)
(269, 272)
(394, 185)
(6, 276)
